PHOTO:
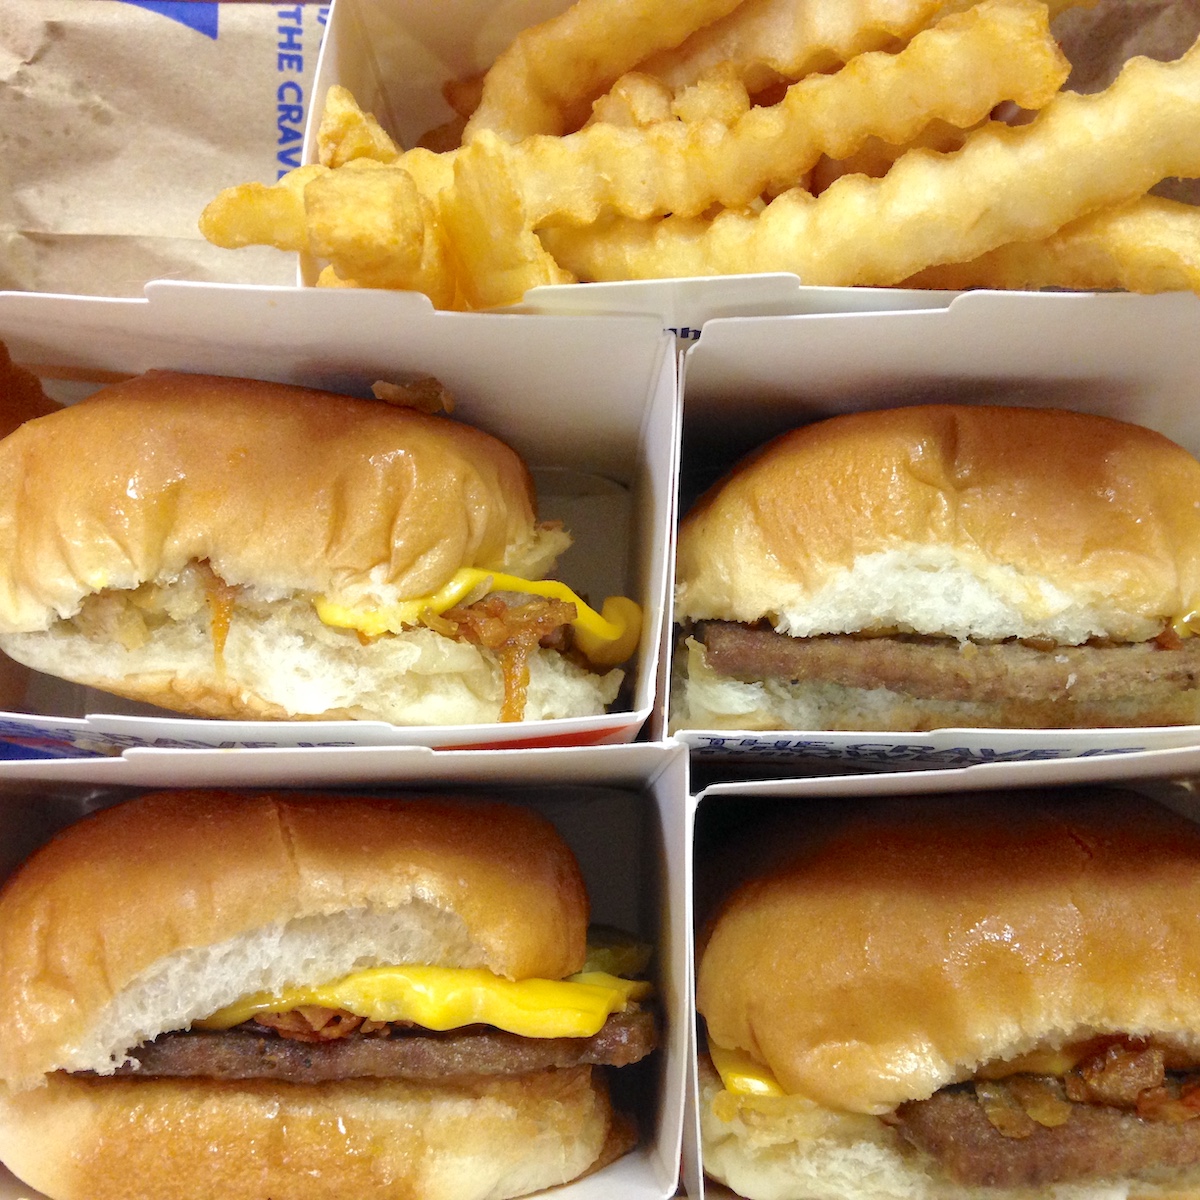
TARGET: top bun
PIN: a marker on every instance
(895, 951)
(961, 521)
(283, 489)
(152, 914)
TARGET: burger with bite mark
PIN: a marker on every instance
(945, 565)
(976, 998)
(234, 548)
(256, 995)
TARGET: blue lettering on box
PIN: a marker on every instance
(200, 15)
(289, 96)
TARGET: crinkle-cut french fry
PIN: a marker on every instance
(369, 220)
(1149, 245)
(765, 41)
(959, 70)
(376, 228)
(347, 133)
(546, 80)
(720, 96)
(431, 172)
(498, 257)
(875, 157)
(633, 101)
(1081, 154)
(260, 214)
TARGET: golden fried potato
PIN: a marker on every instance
(546, 80)
(957, 71)
(719, 96)
(633, 102)
(1149, 245)
(260, 214)
(347, 133)
(878, 166)
(764, 41)
(498, 256)
(875, 156)
(375, 227)
(1081, 154)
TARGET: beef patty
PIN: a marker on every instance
(250, 1052)
(1097, 1142)
(944, 669)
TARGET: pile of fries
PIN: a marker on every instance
(918, 143)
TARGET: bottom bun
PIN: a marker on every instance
(83, 1138)
(280, 662)
(783, 1148)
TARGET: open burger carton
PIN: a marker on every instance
(1131, 358)
(395, 56)
(589, 403)
(621, 809)
(718, 811)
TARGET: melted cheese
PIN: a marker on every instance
(443, 998)
(1188, 625)
(742, 1075)
(606, 639)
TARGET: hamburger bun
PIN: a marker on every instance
(884, 955)
(166, 540)
(962, 524)
(168, 1139)
(150, 915)
(273, 890)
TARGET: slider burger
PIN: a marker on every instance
(233, 548)
(945, 565)
(986, 1000)
(307, 997)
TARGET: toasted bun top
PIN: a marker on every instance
(894, 951)
(282, 489)
(149, 915)
(965, 521)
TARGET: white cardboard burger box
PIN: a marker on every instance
(741, 801)
(590, 403)
(622, 809)
(1135, 358)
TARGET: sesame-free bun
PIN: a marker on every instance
(280, 662)
(198, 1139)
(895, 950)
(128, 522)
(152, 914)
(964, 521)
(876, 955)
(799, 1151)
(282, 489)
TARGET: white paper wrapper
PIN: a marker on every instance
(120, 121)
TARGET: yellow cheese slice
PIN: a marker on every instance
(443, 998)
(606, 639)
(742, 1075)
